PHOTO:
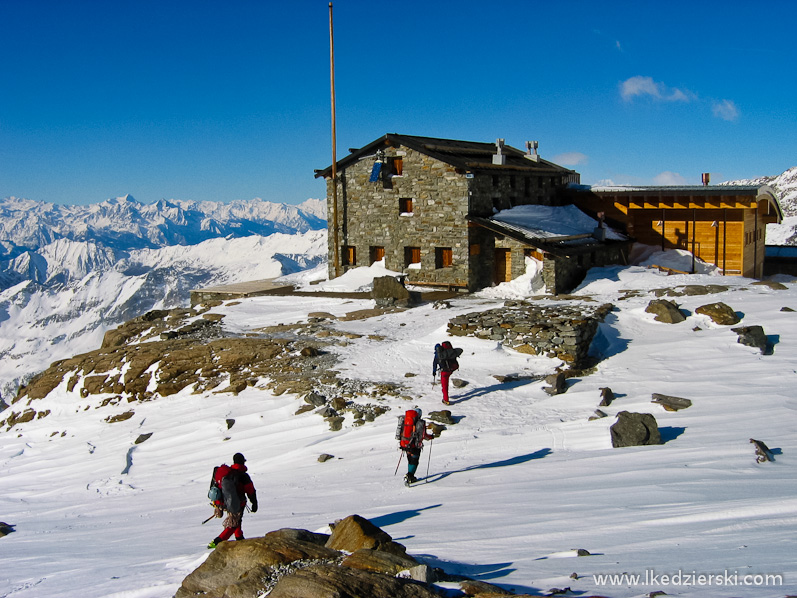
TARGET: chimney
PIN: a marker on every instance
(706, 178)
(499, 157)
(531, 151)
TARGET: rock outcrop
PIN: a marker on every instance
(635, 429)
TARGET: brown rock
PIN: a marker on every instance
(720, 313)
(326, 581)
(231, 562)
(355, 532)
(378, 561)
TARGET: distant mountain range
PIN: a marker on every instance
(125, 224)
(785, 184)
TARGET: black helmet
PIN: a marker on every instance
(238, 458)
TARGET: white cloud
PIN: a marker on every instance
(571, 159)
(726, 110)
(646, 86)
(669, 178)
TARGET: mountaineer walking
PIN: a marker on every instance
(445, 359)
(411, 433)
(233, 486)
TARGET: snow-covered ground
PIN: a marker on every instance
(514, 488)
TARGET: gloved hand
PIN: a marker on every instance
(254, 506)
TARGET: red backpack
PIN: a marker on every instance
(406, 428)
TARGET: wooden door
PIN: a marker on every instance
(502, 268)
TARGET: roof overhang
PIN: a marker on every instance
(562, 246)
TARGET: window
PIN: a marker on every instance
(376, 254)
(349, 257)
(443, 257)
(412, 257)
(395, 166)
(405, 205)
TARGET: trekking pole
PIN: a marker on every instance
(209, 518)
(426, 479)
(399, 463)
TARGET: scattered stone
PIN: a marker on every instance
(230, 423)
(582, 552)
(335, 423)
(327, 412)
(325, 457)
(309, 352)
(304, 409)
(112, 419)
(607, 396)
(321, 315)
(787, 309)
(557, 384)
(574, 575)
(597, 415)
(315, 399)
(762, 451)
(338, 403)
(634, 429)
(670, 403)
(720, 313)
(435, 429)
(410, 375)
(443, 417)
(665, 311)
(440, 304)
(142, 438)
(657, 593)
(558, 591)
(753, 336)
(458, 383)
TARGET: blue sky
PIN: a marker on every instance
(213, 100)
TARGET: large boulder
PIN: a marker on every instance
(355, 532)
(328, 581)
(753, 336)
(387, 291)
(635, 429)
(665, 311)
(720, 313)
(232, 563)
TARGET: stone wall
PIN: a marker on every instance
(563, 330)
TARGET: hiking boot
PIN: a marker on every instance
(446, 402)
(213, 543)
(410, 479)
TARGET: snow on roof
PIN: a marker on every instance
(548, 222)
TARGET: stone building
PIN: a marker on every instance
(425, 205)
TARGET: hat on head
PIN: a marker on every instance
(238, 458)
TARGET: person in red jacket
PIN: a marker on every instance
(445, 360)
(245, 488)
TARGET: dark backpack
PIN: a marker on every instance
(224, 489)
(447, 356)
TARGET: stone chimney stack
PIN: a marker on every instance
(499, 157)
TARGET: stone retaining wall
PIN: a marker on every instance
(563, 330)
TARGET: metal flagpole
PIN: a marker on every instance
(335, 242)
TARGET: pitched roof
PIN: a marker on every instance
(468, 156)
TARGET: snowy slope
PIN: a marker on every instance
(80, 290)
(514, 488)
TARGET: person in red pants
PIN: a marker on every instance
(237, 485)
(445, 359)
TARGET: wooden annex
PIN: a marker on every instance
(723, 225)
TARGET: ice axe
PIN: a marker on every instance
(209, 518)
